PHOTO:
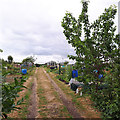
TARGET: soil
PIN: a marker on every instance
(14, 114)
(33, 100)
(69, 105)
(54, 104)
(10, 78)
(85, 108)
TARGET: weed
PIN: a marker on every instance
(71, 94)
(24, 111)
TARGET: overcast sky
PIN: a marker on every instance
(33, 27)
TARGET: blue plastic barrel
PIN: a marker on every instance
(100, 76)
(74, 73)
(24, 71)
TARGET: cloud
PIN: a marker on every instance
(33, 27)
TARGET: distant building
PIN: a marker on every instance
(51, 63)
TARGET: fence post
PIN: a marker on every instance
(59, 69)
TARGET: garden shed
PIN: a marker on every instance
(52, 63)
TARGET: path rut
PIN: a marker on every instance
(69, 105)
(32, 109)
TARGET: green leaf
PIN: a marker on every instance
(16, 82)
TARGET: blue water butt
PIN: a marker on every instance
(100, 76)
(24, 71)
(74, 73)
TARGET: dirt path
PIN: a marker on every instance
(47, 100)
(33, 99)
(14, 114)
(50, 104)
(70, 107)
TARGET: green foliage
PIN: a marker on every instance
(9, 94)
(51, 70)
(28, 60)
(57, 71)
(4, 63)
(99, 50)
(66, 73)
(10, 72)
(10, 59)
(66, 62)
(62, 69)
(60, 77)
(10, 90)
(1, 50)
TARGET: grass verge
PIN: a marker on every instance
(83, 103)
(44, 104)
(24, 111)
